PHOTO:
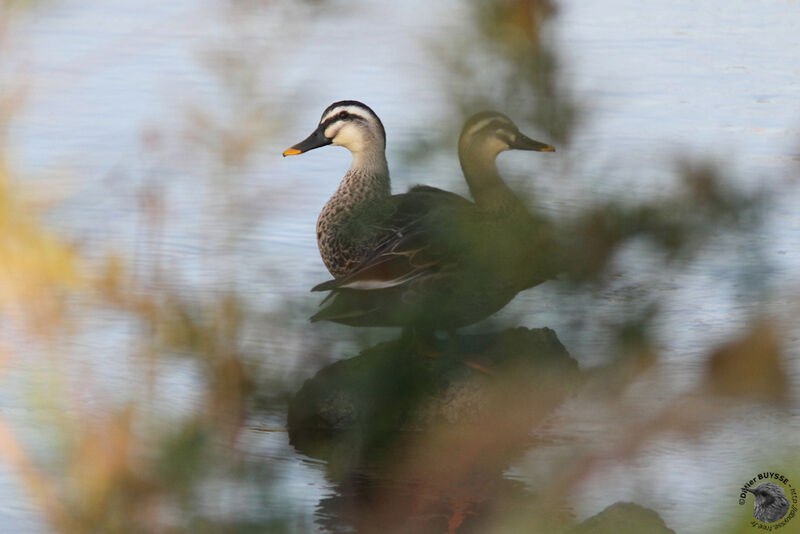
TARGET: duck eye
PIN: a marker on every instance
(343, 114)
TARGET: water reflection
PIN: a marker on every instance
(414, 443)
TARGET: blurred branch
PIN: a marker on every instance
(679, 224)
(36, 268)
(41, 489)
(504, 60)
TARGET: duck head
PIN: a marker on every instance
(483, 137)
(488, 133)
(348, 123)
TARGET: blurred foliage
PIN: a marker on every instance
(677, 225)
(503, 61)
(122, 465)
(514, 33)
(36, 268)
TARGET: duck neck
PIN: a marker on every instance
(367, 178)
(485, 184)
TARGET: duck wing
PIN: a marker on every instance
(418, 264)
(423, 240)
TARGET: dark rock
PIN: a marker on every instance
(623, 518)
(518, 375)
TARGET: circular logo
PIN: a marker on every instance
(773, 497)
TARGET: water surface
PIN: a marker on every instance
(112, 85)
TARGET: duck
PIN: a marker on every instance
(449, 262)
(349, 226)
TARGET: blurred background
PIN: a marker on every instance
(156, 251)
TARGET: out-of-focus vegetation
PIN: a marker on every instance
(126, 464)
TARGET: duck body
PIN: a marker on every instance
(350, 226)
(449, 262)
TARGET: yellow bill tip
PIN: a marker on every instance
(548, 149)
(292, 152)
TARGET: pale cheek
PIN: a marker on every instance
(348, 137)
(496, 146)
(331, 131)
(489, 149)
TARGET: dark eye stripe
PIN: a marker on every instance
(498, 125)
(503, 136)
(343, 116)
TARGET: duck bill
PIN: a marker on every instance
(523, 142)
(315, 140)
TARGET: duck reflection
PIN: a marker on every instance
(367, 504)
(420, 444)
